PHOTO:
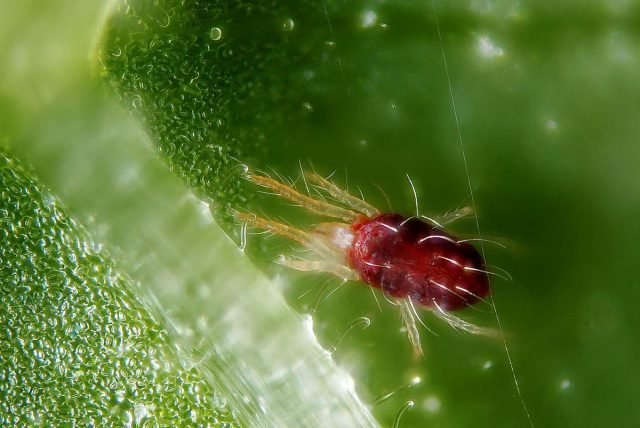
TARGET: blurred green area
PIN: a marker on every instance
(545, 97)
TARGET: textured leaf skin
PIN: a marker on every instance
(77, 347)
(207, 102)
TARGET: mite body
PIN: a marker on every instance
(411, 260)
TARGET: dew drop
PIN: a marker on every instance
(368, 19)
(307, 107)
(140, 412)
(48, 200)
(432, 404)
(288, 24)
(215, 33)
(565, 384)
(488, 48)
(551, 125)
(219, 401)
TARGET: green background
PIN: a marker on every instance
(546, 99)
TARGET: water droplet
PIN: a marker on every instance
(215, 33)
(487, 364)
(219, 401)
(288, 24)
(488, 49)
(565, 384)
(432, 404)
(368, 19)
(307, 107)
(140, 412)
(551, 125)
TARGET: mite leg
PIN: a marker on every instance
(337, 269)
(306, 239)
(460, 324)
(342, 196)
(313, 205)
(452, 216)
(407, 310)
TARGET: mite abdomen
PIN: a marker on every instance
(407, 257)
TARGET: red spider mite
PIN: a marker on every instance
(411, 260)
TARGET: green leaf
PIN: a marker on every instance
(543, 106)
(215, 310)
(77, 346)
(544, 97)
